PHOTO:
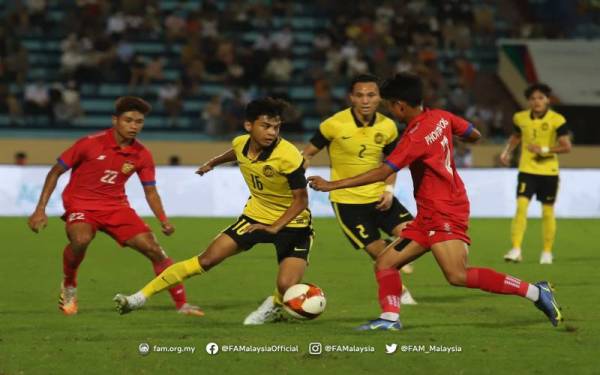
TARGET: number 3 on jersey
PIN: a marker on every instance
(446, 149)
(109, 176)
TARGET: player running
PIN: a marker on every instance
(357, 140)
(276, 212)
(543, 135)
(95, 199)
(442, 207)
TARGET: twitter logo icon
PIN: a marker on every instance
(390, 349)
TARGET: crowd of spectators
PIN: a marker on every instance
(205, 43)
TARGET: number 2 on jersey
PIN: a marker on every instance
(362, 231)
(446, 149)
(361, 153)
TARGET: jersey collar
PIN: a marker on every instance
(538, 118)
(112, 143)
(265, 153)
(418, 118)
(358, 123)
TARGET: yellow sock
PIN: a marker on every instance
(173, 275)
(548, 227)
(519, 223)
(277, 298)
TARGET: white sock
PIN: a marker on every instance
(136, 300)
(533, 293)
(390, 316)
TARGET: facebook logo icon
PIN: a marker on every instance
(212, 348)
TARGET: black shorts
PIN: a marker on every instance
(545, 188)
(361, 222)
(289, 242)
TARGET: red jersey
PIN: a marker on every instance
(426, 146)
(100, 169)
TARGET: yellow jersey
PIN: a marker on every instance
(544, 132)
(355, 148)
(271, 177)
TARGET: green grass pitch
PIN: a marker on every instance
(497, 334)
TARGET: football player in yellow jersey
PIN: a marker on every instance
(276, 212)
(357, 140)
(543, 135)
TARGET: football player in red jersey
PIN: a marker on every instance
(442, 206)
(95, 199)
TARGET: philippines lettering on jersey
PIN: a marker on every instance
(437, 132)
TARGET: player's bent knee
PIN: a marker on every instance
(456, 278)
(383, 264)
(80, 241)
(152, 251)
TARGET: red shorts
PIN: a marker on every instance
(122, 223)
(432, 226)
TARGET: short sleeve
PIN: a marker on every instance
(237, 144)
(75, 154)
(326, 131)
(461, 127)
(291, 160)
(297, 179)
(147, 171)
(563, 129)
(318, 140)
(516, 121)
(406, 152)
(389, 148)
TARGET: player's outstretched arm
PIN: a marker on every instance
(155, 203)
(374, 175)
(38, 219)
(226, 157)
(513, 142)
(299, 204)
(308, 153)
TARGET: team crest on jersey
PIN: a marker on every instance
(545, 126)
(268, 171)
(379, 138)
(127, 167)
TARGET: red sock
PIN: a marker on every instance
(495, 282)
(71, 262)
(177, 292)
(390, 288)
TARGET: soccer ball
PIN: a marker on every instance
(304, 301)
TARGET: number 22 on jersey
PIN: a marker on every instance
(109, 177)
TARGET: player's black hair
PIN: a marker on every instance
(405, 87)
(268, 106)
(363, 78)
(131, 103)
(541, 87)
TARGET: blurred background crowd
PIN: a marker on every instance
(62, 63)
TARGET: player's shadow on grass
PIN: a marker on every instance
(209, 306)
(443, 299)
(492, 324)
